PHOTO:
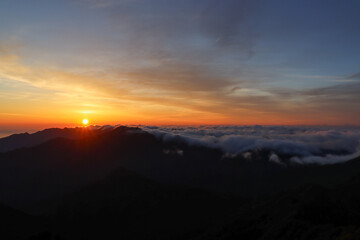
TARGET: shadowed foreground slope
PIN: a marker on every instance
(126, 183)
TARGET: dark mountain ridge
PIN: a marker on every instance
(172, 190)
(21, 140)
(30, 174)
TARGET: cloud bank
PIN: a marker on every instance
(302, 145)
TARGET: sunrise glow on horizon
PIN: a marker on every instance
(185, 62)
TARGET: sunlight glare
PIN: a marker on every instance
(85, 121)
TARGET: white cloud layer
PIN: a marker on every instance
(302, 144)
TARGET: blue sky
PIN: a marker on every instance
(231, 61)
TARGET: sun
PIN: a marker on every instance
(85, 121)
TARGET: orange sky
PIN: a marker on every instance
(155, 65)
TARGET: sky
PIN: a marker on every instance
(156, 62)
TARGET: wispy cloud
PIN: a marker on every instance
(192, 61)
(192, 88)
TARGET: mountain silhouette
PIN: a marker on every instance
(21, 140)
(126, 183)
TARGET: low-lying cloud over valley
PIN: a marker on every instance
(304, 145)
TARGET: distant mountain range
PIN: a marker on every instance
(28, 140)
(125, 183)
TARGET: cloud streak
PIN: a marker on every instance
(184, 62)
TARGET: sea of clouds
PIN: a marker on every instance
(305, 145)
(298, 144)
